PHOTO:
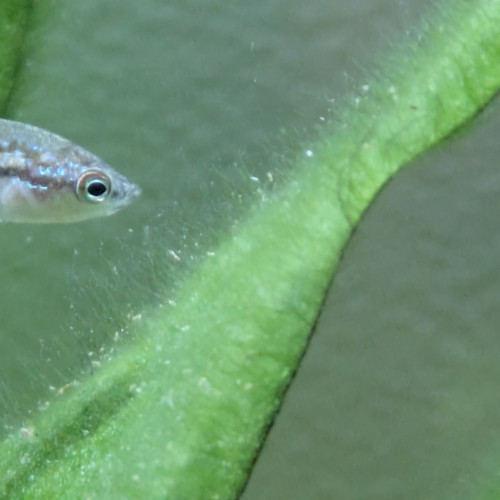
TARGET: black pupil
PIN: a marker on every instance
(96, 188)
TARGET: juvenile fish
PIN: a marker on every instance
(45, 178)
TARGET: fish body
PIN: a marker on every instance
(45, 178)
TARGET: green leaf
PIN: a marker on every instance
(182, 410)
(14, 15)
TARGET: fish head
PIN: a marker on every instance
(45, 178)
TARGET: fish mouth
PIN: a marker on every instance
(134, 191)
(129, 192)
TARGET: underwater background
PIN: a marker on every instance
(192, 100)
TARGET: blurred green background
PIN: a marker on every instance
(396, 397)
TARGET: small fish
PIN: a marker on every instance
(45, 178)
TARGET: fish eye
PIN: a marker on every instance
(93, 186)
